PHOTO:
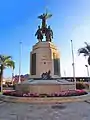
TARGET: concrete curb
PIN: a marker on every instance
(47, 100)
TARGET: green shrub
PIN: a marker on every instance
(42, 95)
(82, 86)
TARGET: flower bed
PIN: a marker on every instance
(60, 94)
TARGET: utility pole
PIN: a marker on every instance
(87, 70)
(20, 45)
(64, 73)
(73, 64)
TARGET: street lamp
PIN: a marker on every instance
(20, 45)
(87, 70)
(73, 64)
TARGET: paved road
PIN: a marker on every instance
(66, 111)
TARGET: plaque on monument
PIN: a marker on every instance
(56, 62)
(33, 65)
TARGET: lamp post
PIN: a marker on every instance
(87, 70)
(20, 45)
(73, 64)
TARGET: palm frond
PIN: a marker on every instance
(10, 63)
(83, 51)
(7, 57)
(87, 47)
(7, 61)
(89, 60)
(4, 57)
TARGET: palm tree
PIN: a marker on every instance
(85, 51)
(5, 62)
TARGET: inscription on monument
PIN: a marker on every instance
(56, 62)
(33, 64)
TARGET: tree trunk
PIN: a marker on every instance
(1, 79)
(12, 75)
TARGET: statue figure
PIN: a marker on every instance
(48, 74)
(43, 18)
(39, 34)
(49, 34)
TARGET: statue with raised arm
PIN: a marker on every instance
(43, 17)
(39, 34)
(49, 34)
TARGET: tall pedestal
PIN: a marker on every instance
(44, 57)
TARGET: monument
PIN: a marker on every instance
(44, 57)
(44, 64)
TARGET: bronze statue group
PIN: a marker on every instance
(44, 30)
(46, 75)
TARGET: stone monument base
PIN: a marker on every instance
(45, 86)
(44, 57)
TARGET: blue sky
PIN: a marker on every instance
(70, 20)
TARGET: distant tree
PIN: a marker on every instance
(5, 62)
(85, 51)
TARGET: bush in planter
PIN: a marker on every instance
(82, 85)
(43, 95)
(86, 85)
(49, 95)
